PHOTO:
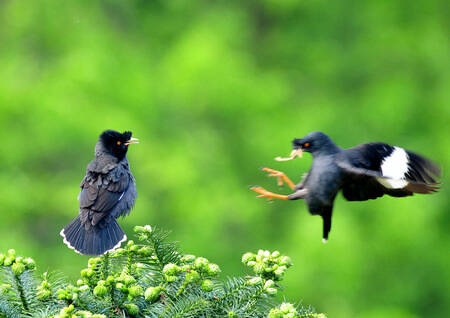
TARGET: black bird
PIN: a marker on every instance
(367, 171)
(107, 191)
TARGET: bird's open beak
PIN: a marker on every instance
(296, 152)
(132, 141)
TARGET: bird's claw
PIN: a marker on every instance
(275, 173)
(263, 193)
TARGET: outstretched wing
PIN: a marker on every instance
(101, 193)
(374, 169)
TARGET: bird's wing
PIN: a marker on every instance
(375, 169)
(102, 192)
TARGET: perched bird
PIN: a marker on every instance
(367, 171)
(108, 191)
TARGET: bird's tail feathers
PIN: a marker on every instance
(97, 240)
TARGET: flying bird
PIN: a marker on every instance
(108, 191)
(364, 172)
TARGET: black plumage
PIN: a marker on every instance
(108, 191)
(364, 172)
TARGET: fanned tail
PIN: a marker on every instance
(96, 240)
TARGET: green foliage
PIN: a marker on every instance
(215, 90)
(149, 279)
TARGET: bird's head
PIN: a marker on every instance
(116, 143)
(315, 143)
(312, 142)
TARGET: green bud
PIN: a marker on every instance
(269, 283)
(152, 293)
(19, 259)
(278, 274)
(171, 269)
(138, 229)
(248, 257)
(61, 296)
(143, 237)
(143, 229)
(100, 290)
(9, 260)
(187, 258)
(271, 291)
(119, 251)
(207, 285)
(132, 309)
(45, 284)
(68, 309)
(251, 263)
(135, 291)
(134, 248)
(93, 261)
(186, 268)
(287, 308)
(213, 269)
(145, 251)
(44, 294)
(286, 261)
(200, 262)
(255, 281)
(259, 268)
(271, 268)
(275, 254)
(12, 252)
(130, 243)
(275, 313)
(84, 288)
(80, 282)
(18, 268)
(170, 279)
(231, 314)
(110, 279)
(128, 279)
(2, 259)
(87, 273)
(192, 277)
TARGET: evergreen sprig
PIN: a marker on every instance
(151, 278)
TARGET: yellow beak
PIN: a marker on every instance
(132, 141)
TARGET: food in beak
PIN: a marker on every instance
(294, 153)
(132, 141)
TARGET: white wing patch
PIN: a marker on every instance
(394, 168)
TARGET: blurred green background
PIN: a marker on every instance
(215, 90)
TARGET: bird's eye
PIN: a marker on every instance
(306, 145)
(119, 143)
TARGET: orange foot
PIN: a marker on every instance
(281, 177)
(267, 194)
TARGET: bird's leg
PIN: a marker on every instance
(299, 194)
(301, 184)
(267, 194)
(281, 177)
